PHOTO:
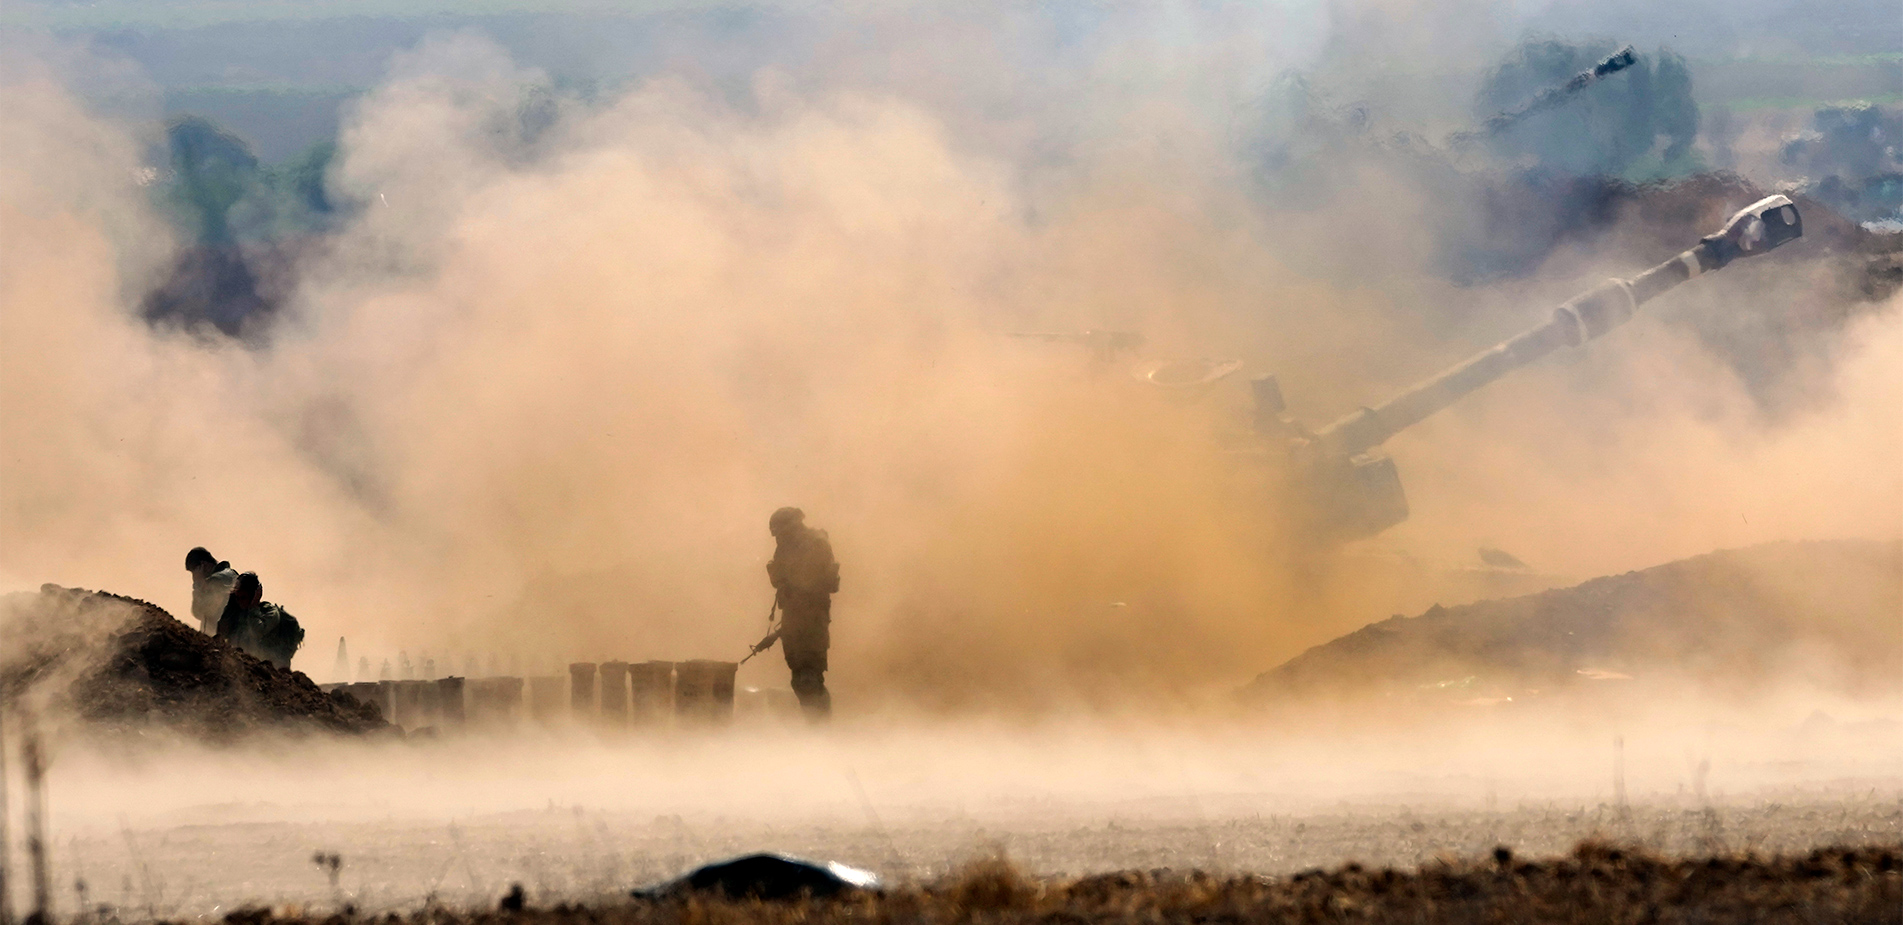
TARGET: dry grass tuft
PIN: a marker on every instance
(1599, 883)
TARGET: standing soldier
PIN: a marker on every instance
(804, 578)
(212, 582)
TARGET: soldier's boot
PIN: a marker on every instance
(810, 686)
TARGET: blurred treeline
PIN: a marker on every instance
(1506, 193)
(1505, 197)
(243, 224)
(218, 193)
(1848, 159)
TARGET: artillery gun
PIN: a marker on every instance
(1342, 487)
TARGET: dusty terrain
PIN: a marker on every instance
(1729, 621)
(187, 834)
(1597, 882)
(120, 665)
(577, 854)
(1398, 772)
(572, 854)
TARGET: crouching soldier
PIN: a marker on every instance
(212, 582)
(257, 626)
(804, 578)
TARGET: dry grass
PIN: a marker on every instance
(1597, 883)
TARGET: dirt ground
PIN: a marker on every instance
(122, 666)
(1598, 882)
(1722, 623)
(194, 834)
(576, 854)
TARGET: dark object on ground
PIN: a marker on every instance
(119, 664)
(1729, 621)
(767, 877)
(515, 900)
(1597, 882)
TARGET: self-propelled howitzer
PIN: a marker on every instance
(1344, 488)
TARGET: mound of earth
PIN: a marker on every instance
(118, 664)
(1819, 613)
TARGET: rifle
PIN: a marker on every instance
(772, 636)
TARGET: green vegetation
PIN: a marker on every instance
(215, 190)
(1870, 60)
(1802, 102)
(1744, 84)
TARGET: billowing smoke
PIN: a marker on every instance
(539, 395)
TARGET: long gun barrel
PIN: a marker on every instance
(1757, 228)
(1549, 97)
(1553, 96)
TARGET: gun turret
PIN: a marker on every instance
(1347, 489)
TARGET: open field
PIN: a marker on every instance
(192, 834)
(1597, 882)
(573, 854)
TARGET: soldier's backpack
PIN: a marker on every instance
(282, 640)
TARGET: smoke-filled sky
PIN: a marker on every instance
(540, 394)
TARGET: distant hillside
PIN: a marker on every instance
(1826, 613)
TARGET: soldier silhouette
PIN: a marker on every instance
(804, 577)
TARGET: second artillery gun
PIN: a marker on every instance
(1342, 487)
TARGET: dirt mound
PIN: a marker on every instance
(1824, 613)
(117, 664)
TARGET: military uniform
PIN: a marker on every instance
(264, 630)
(209, 595)
(804, 578)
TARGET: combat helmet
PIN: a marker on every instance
(785, 519)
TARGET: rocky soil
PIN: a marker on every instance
(1820, 613)
(119, 665)
(1596, 883)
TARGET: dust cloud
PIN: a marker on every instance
(455, 822)
(535, 402)
(538, 399)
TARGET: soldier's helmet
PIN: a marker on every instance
(199, 554)
(785, 519)
(248, 588)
